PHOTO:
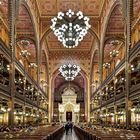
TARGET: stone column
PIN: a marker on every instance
(50, 101)
(23, 113)
(12, 7)
(101, 55)
(87, 112)
(11, 112)
(115, 115)
(127, 18)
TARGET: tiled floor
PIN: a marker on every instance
(70, 136)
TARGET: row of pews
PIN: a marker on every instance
(36, 133)
(99, 133)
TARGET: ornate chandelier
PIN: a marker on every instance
(70, 28)
(114, 53)
(25, 53)
(106, 65)
(69, 72)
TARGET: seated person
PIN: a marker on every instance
(6, 129)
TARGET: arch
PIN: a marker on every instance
(29, 39)
(95, 51)
(112, 38)
(34, 28)
(92, 64)
(107, 21)
(46, 60)
(23, 2)
(48, 30)
(73, 85)
(31, 48)
(56, 72)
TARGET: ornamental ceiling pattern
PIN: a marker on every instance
(24, 24)
(97, 10)
(54, 44)
(49, 9)
(64, 55)
(52, 7)
(116, 24)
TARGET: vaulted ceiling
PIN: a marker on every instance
(48, 9)
(58, 54)
(82, 53)
(88, 7)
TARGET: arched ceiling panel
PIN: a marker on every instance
(30, 48)
(115, 29)
(64, 55)
(24, 24)
(59, 80)
(25, 30)
(115, 26)
(109, 47)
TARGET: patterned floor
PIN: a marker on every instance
(70, 136)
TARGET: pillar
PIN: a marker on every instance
(127, 15)
(87, 104)
(12, 9)
(115, 115)
(11, 112)
(23, 113)
(50, 98)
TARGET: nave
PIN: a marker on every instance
(57, 132)
(70, 61)
(70, 136)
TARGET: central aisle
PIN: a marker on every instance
(70, 136)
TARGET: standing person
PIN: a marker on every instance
(71, 126)
(66, 128)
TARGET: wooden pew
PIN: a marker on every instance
(38, 133)
(106, 134)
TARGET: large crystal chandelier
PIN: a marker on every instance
(69, 71)
(70, 28)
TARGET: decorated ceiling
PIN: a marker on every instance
(87, 52)
(88, 7)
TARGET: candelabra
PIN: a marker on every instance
(106, 66)
(25, 53)
(114, 53)
(96, 83)
(32, 66)
(44, 85)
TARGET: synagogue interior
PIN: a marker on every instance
(70, 69)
